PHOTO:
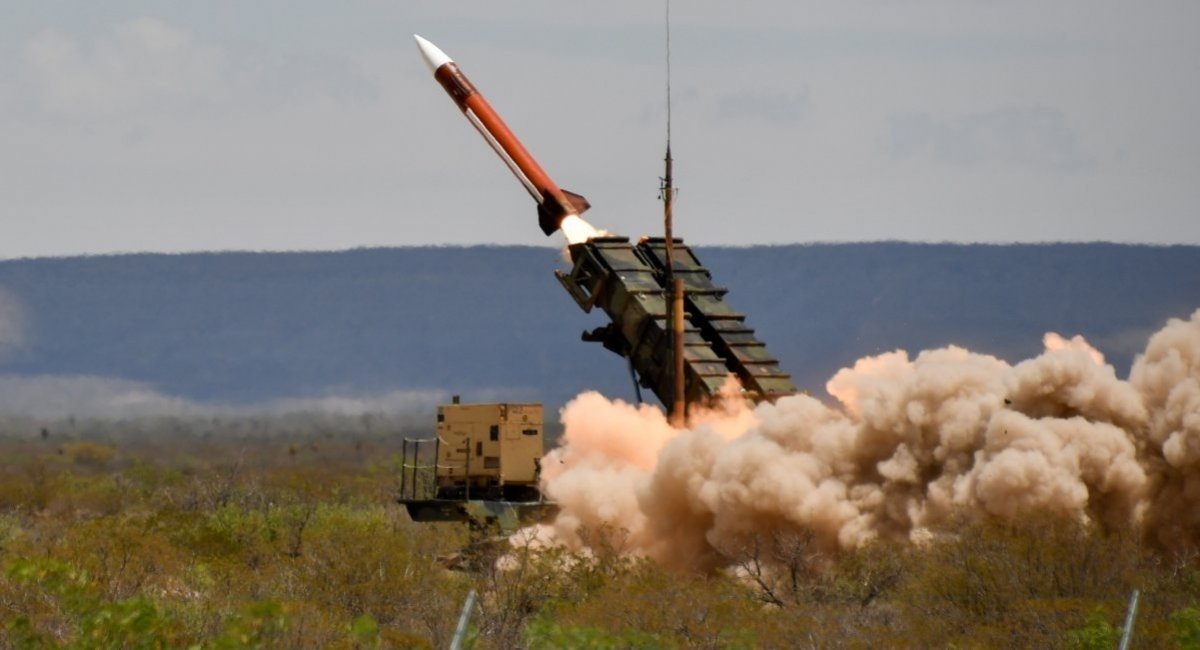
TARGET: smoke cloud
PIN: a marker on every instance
(910, 443)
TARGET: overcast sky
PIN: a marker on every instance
(305, 124)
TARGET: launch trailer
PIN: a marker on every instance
(628, 283)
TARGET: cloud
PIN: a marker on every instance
(57, 396)
(400, 401)
(147, 66)
(297, 125)
(60, 396)
(1036, 137)
(773, 107)
(144, 63)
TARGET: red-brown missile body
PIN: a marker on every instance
(554, 203)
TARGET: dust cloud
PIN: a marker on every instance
(50, 397)
(909, 444)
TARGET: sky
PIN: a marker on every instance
(177, 126)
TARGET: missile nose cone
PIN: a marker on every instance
(434, 57)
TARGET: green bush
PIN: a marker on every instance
(1186, 623)
(1096, 634)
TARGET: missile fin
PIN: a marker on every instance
(581, 204)
(553, 210)
(547, 219)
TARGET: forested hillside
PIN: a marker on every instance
(492, 322)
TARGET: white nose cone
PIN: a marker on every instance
(434, 57)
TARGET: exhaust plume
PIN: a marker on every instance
(910, 443)
(577, 231)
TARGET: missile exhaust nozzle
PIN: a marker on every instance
(552, 211)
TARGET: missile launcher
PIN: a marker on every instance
(628, 283)
(486, 468)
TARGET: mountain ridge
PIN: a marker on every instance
(243, 327)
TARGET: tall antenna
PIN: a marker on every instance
(674, 285)
(666, 188)
(667, 26)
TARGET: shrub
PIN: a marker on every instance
(1096, 634)
(1186, 624)
(87, 453)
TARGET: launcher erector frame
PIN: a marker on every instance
(627, 282)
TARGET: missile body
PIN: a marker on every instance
(554, 203)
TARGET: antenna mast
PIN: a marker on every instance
(674, 285)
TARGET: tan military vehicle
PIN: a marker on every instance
(486, 469)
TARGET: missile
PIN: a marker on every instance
(554, 203)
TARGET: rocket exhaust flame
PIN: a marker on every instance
(555, 205)
(577, 231)
(911, 443)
